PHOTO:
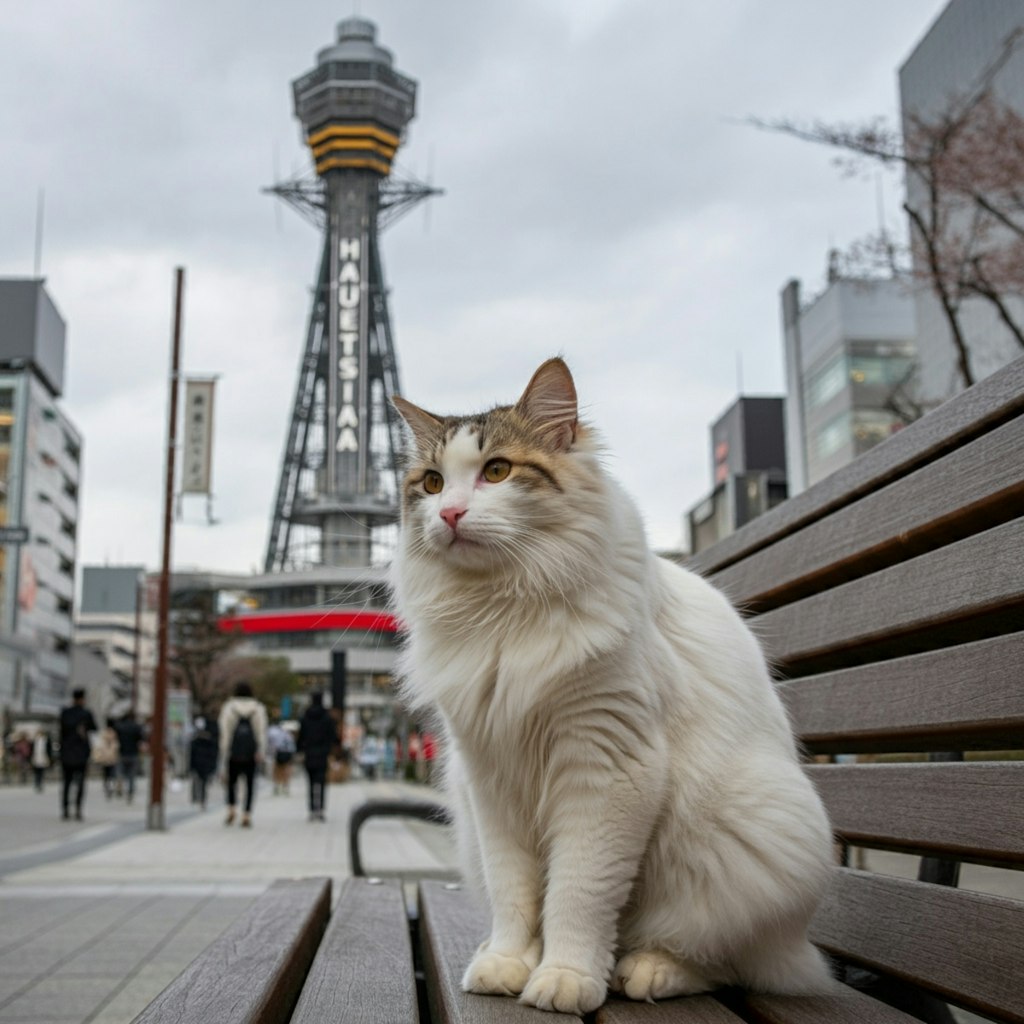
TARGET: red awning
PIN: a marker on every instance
(306, 621)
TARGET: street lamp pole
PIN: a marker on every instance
(156, 817)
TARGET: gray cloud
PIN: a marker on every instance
(602, 201)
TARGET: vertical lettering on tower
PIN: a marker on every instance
(349, 299)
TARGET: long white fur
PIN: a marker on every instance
(627, 790)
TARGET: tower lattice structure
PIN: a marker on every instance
(338, 491)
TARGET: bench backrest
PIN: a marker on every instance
(890, 598)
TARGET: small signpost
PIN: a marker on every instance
(13, 534)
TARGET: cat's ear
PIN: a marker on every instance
(549, 401)
(426, 429)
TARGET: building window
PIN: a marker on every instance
(870, 426)
(832, 436)
(827, 382)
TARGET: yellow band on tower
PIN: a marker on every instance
(353, 130)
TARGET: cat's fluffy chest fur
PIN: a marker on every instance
(625, 785)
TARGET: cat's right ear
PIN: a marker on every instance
(549, 402)
(426, 429)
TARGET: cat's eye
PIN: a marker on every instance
(496, 470)
(433, 482)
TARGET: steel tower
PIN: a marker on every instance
(338, 483)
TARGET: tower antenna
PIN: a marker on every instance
(37, 265)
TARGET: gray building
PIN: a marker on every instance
(115, 619)
(40, 458)
(849, 359)
(748, 467)
(949, 63)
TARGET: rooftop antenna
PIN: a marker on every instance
(739, 373)
(37, 269)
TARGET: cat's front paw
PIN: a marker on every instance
(495, 974)
(564, 989)
(652, 974)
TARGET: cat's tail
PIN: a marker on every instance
(791, 968)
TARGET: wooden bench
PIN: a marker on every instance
(891, 599)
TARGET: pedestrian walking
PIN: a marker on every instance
(202, 760)
(21, 747)
(106, 752)
(317, 738)
(243, 744)
(429, 752)
(369, 756)
(281, 752)
(42, 757)
(76, 725)
(131, 741)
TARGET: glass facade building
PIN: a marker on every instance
(850, 361)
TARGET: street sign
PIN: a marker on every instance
(13, 534)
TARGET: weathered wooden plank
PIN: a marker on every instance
(957, 698)
(904, 519)
(452, 926)
(848, 1008)
(967, 811)
(689, 1010)
(363, 972)
(964, 946)
(253, 973)
(983, 574)
(990, 402)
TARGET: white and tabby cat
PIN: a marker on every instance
(626, 787)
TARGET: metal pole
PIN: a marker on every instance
(156, 818)
(139, 584)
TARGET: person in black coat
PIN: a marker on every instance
(202, 760)
(317, 737)
(76, 723)
(131, 738)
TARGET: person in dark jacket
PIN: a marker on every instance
(317, 737)
(76, 723)
(202, 760)
(131, 739)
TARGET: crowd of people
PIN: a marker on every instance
(242, 743)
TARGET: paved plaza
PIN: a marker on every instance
(97, 917)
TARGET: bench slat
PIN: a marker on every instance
(966, 947)
(907, 517)
(967, 811)
(253, 973)
(363, 972)
(690, 1010)
(988, 403)
(452, 926)
(901, 705)
(983, 574)
(850, 1007)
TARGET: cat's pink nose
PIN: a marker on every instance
(452, 515)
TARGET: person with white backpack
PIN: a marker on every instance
(243, 746)
(42, 757)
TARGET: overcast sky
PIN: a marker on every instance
(603, 201)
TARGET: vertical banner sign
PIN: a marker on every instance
(196, 466)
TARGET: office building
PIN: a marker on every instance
(116, 620)
(849, 357)
(950, 63)
(40, 459)
(748, 467)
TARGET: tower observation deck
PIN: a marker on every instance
(337, 489)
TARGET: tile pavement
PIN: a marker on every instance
(97, 917)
